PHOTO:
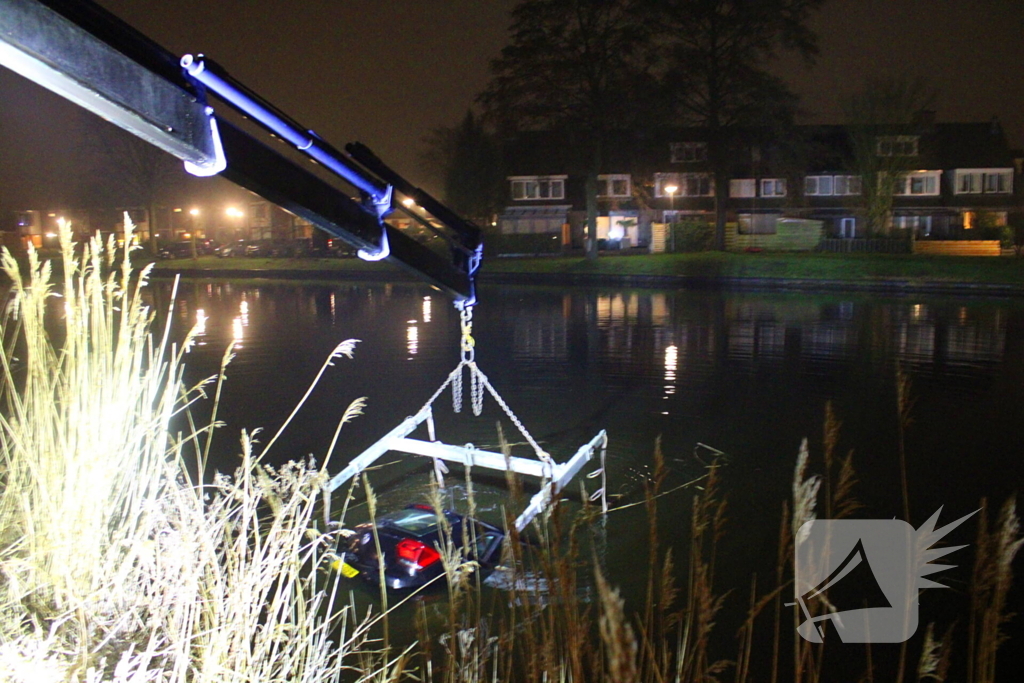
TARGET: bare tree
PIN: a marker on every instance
(877, 117)
(466, 159)
(131, 172)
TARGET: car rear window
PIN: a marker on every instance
(414, 521)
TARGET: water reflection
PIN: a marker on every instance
(671, 364)
(412, 336)
(200, 327)
(566, 359)
(679, 336)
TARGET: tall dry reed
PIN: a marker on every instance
(114, 565)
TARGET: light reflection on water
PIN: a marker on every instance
(748, 374)
(563, 350)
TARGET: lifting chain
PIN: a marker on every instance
(467, 346)
(479, 384)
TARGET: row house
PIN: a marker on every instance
(264, 220)
(952, 180)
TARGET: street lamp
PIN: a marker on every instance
(671, 190)
(236, 215)
(194, 212)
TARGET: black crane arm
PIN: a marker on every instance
(84, 53)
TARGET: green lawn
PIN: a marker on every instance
(841, 267)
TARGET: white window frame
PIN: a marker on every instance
(968, 181)
(688, 152)
(979, 180)
(897, 145)
(905, 184)
(743, 188)
(606, 185)
(819, 186)
(773, 187)
(555, 187)
(685, 183)
(847, 185)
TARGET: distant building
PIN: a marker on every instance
(959, 177)
(266, 221)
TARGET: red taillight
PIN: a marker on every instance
(417, 553)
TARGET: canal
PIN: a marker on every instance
(747, 374)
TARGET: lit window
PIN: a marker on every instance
(773, 187)
(615, 185)
(743, 187)
(686, 184)
(538, 187)
(897, 145)
(688, 152)
(818, 186)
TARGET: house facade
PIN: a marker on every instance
(935, 181)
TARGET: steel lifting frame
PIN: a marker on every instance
(553, 476)
(84, 53)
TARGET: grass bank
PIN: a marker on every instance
(727, 268)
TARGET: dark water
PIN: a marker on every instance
(748, 374)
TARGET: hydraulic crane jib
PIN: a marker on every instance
(84, 53)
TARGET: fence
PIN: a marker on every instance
(865, 246)
(958, 247)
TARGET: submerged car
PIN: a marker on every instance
(410, 540)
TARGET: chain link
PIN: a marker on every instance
(457, 389)
(468, 344)
(478, 382)
(476, 390)
(543, 455)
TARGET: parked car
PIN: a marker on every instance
(206, 247)
(175, 250)
(255, 248)
(409, 541)
(236, 248)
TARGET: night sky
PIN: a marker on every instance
(386, 73)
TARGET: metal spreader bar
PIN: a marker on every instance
(553, 476)
(562, 475)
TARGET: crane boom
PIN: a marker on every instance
(84, 53)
